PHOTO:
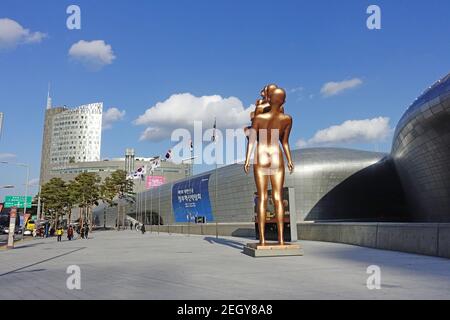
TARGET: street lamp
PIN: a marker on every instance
(40, 205)
(39, 213)
(27, 167)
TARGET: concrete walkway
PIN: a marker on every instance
(128, 265)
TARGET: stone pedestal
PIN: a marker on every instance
(256, 250)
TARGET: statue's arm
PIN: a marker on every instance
(250, 145)
(285, 144)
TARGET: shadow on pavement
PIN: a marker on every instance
(31, 245)
(225, 242)
(29, 271)
(39, 262)
(387, 258)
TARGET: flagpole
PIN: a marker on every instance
(159, 207)
(145, 202)
(192, 160)
(140, 199)
(151, 205)
(137, 203)
(215, 187)
(137, 196)
(215, 202)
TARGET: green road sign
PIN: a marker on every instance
(17, 201)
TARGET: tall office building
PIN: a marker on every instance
(70, 136)
(76, 135)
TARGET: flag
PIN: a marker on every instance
(143, 173)
(169, 155)
(156, 163)
(213, 139)
(138, 174)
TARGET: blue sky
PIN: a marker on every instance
(228, 48)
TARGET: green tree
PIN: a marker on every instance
(57, 199)
(116, 187)
(85, 191)
(108, 195)
(70, 199)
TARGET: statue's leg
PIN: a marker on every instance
(277, 181)
(262, 180)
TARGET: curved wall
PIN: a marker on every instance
(329, 184)
(421, 153)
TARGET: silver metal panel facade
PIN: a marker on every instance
(410, 184)
(421, 153)
(321, 180)
(343, 184)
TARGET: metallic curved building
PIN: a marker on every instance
(328, 184)
(412, 184)
(421, 153)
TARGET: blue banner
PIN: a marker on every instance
(190, 200)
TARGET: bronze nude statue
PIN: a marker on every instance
(262, 105)
(270, 127)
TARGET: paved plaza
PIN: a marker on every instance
(129, 265)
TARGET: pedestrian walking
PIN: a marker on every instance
(59, 233)
(47, 230)
(131, 225)
(143, 229)
(86, 231)
(70, 233)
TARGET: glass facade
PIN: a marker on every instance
(76, 135)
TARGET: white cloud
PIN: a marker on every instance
(110, 116)
(351, 131)
(297, 89)
(181, 110)
(7, 156)
(333, 88)
(301, 143)
(298, 92)
(13, 34)
(93, 54)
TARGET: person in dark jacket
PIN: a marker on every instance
(143, 229)
(70, 233)
(86, 231)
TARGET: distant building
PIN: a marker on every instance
(72, 143)
(166, 173)
(70, 136)
(76, 135)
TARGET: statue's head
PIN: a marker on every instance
(278, 97)
(268, 90)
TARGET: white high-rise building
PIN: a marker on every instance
(76, 135)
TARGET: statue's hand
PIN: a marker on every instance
(291, 167)
(247, 167)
